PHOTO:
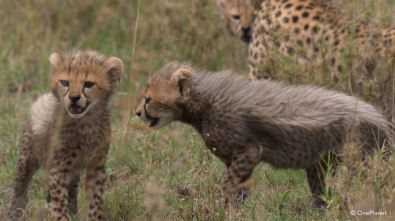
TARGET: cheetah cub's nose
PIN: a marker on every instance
(74, 97)
(138, 113)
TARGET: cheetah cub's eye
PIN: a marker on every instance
(147, 100)
(89, 84)
(236, 17)
(64, 83)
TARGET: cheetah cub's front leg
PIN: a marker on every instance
(235, 185)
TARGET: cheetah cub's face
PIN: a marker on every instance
(238, 16)
(82, 82)
(162, 96)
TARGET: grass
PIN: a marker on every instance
(168, 174)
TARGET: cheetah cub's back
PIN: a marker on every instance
(69, 130)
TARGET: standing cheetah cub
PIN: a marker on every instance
(69, 130)
(245, 123)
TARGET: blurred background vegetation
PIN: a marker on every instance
(154, 175)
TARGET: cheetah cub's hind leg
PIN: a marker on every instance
(316, 178)
(26, 166)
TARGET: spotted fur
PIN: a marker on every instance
(319, 36)
(316, 31)
(69, 130)
(247, 122)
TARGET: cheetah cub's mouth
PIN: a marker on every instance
(154, 122)
(75, 109)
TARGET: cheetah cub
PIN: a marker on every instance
(69, 130)
(245, 123)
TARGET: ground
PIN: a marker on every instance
(166, 174)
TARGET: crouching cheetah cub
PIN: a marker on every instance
(69, 129)
(245, 123)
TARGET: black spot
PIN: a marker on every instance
(297, 30)
(278, 44)
(278, 14)
(333, 61)
(288, 5)
(290, 50)
(306, 27)
(336, 43)
(305, 14)
(317, 18)
(299, 7)
(69, 163)
(91, 206)
(285, 20)
(99, 217)
(339, 68)
(64, 171)
(295, 19)
(73, 154)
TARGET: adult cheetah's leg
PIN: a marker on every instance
(95, 179)
(239, 171)
(27, 165)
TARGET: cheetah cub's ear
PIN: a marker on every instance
(183, 78)
(55, 61)
(114, 67)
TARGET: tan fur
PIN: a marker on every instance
(69, 130)
(245, 123)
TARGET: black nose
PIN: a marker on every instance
(138, 113)
(74, 97)
(245, 29)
